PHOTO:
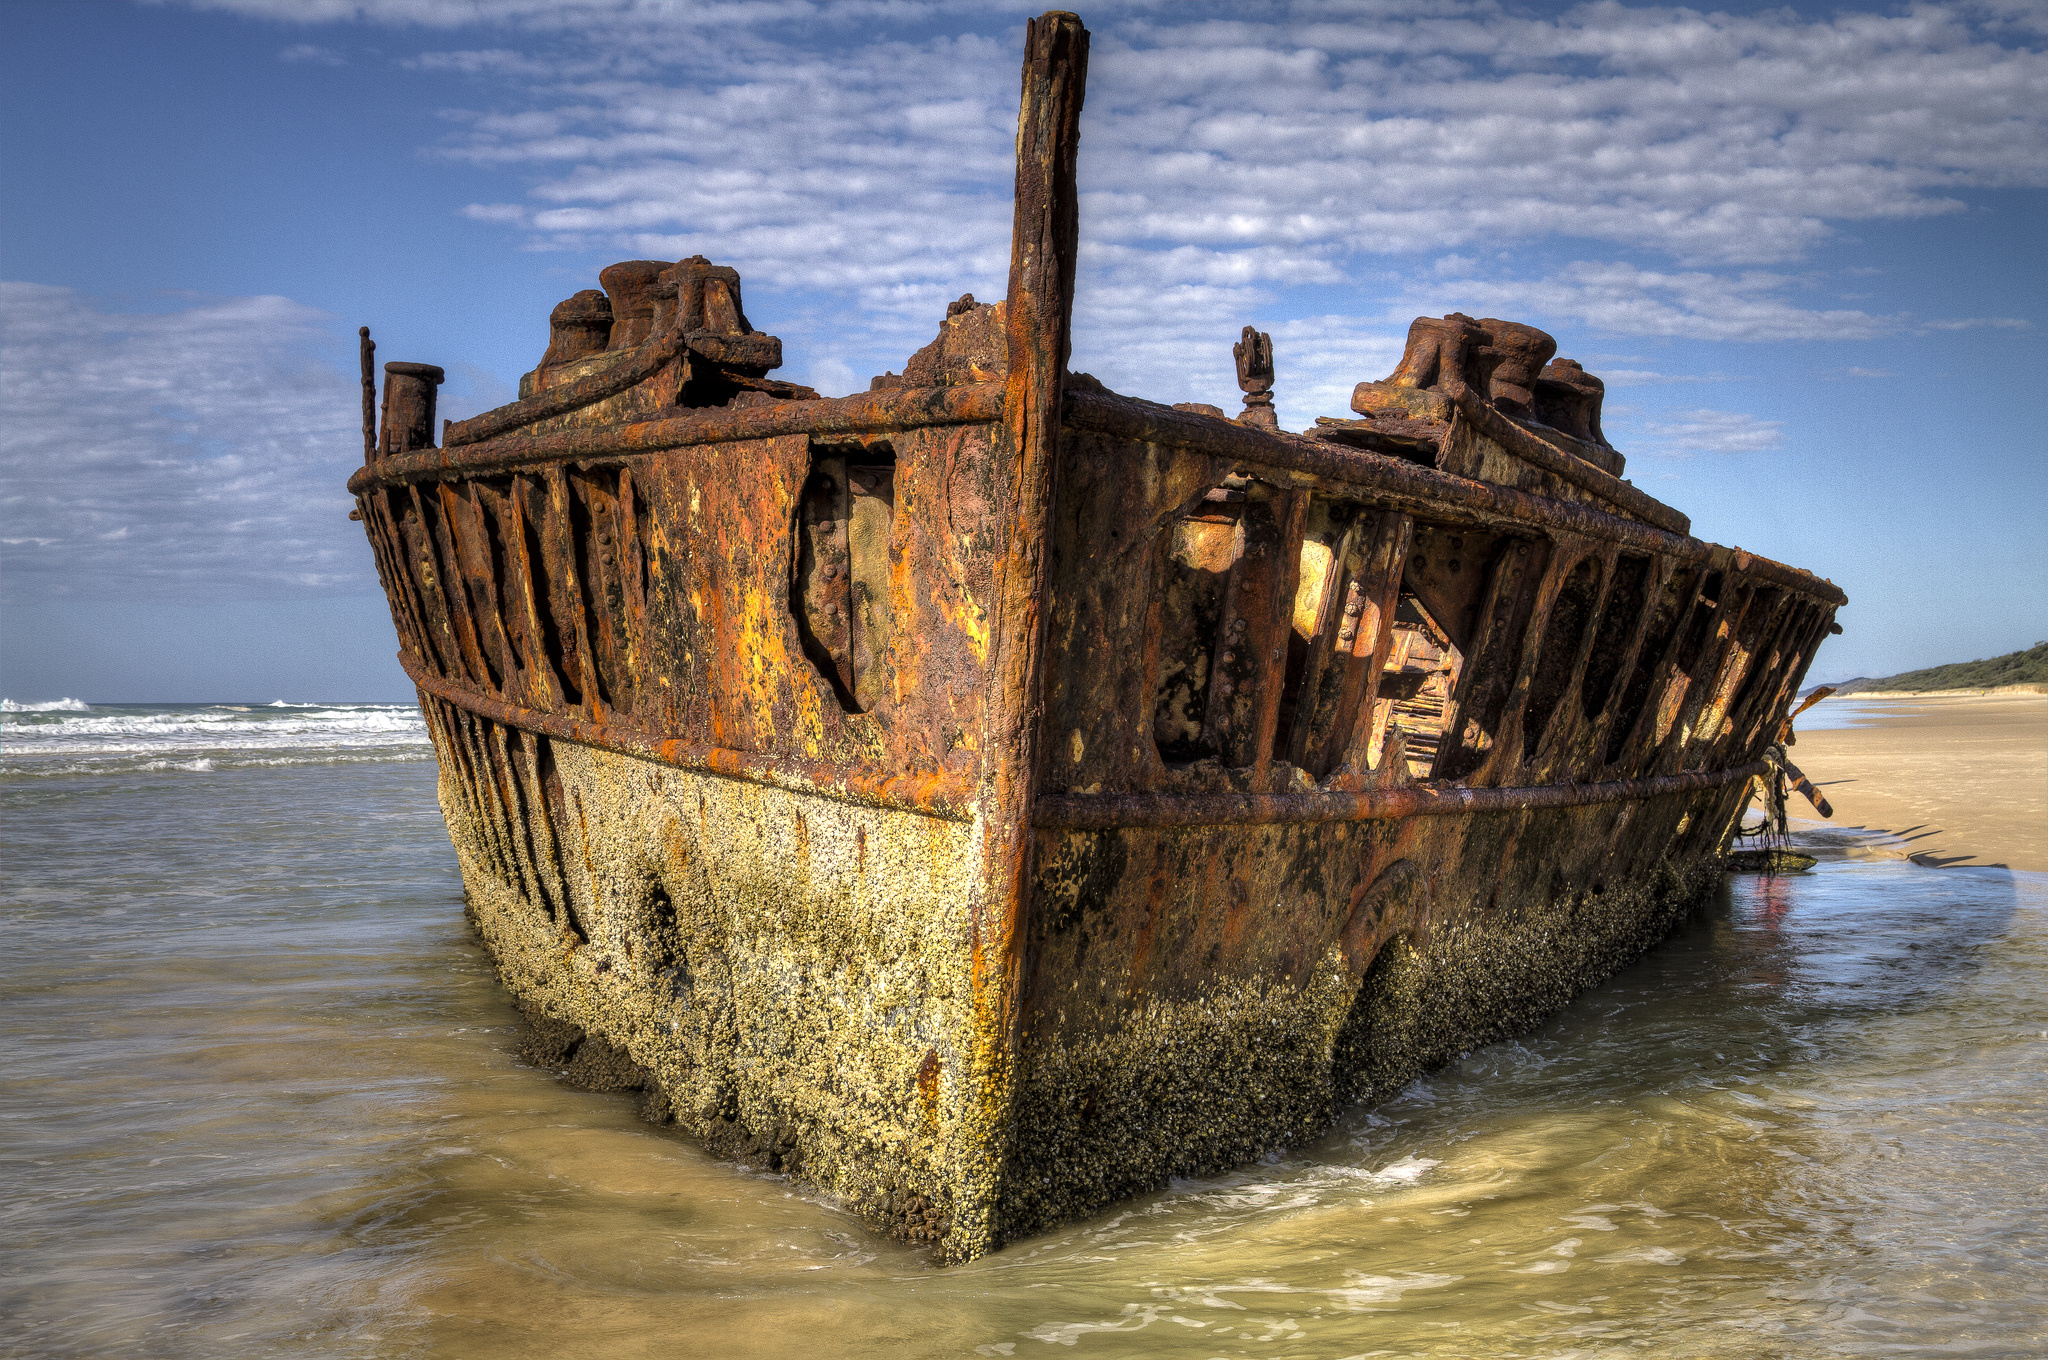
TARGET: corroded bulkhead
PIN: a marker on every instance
(986, 796)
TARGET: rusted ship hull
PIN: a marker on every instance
(987, 796)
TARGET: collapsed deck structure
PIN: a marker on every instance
(988, 795)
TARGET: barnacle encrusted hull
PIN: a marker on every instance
(788, 976)
(987, 796)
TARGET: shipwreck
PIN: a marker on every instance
(989, 795)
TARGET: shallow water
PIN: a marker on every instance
(1833, 715)
(260, 1100)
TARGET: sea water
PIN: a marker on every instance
(258, 1097)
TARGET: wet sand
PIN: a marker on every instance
(1953, 780)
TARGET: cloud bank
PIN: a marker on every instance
(194, 453)
(1304, 131)
(1327, 170)
(1236, 156)
(1688, 432)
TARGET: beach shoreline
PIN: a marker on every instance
(1874, 695)
(1942, 780)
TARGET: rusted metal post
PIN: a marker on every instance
(1372, 631)
(369, 352)
(1254, 355)
(1272, 639)
(408, 407)
(1037, 319)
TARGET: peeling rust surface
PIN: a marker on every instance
(1101, 811)
(1395, 480)
(932, 795)
(863, 413)
(988, 796)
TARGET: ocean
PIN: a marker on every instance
(260, 1098)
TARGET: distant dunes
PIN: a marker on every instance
(2029, 667)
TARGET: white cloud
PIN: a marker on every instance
(195, 452)
(1687, 432)
(1641, 377)
(863, 150)
(1308, 127)
(1713, 137)
(834, 378)
(616, 17)
(1970, 323)
(494, 61)
(1626, 299)
(1236, 157)
(310, 55)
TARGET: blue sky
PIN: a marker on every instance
(1803, 245)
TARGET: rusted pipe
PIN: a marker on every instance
(750, 351)
(1805, 786)
(1109, 811)
(569, 396)
(901, 408)
(945, 796)
(1531, 449)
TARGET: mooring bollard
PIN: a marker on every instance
(408, 407)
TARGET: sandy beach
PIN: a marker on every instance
(1951, 780)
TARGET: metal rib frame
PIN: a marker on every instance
(951, 797)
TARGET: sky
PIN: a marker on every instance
(1803, 245)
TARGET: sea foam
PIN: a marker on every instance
(202, 738)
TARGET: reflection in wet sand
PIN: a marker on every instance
(263, 1095)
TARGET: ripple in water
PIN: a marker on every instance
(261, 1101)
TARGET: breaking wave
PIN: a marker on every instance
(46, 706)
(73, 738)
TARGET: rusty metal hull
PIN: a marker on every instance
(988, 796)
(1203, 995)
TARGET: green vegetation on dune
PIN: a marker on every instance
(2014, 668)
